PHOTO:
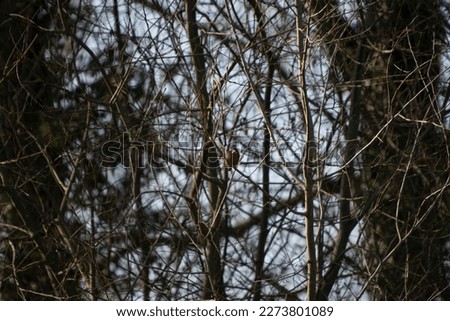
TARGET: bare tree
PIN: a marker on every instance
(116, 119)
(396, 140)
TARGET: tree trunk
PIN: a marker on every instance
(31, 190)
(401, 140)
(406, 165)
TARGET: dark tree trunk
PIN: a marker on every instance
(35, 266)
(407, 163)
(402, 143)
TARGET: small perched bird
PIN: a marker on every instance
(232, 159)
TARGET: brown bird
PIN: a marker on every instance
(232, 159)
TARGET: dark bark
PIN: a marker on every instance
(213, 285)
(397, 83)
(36, 266)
